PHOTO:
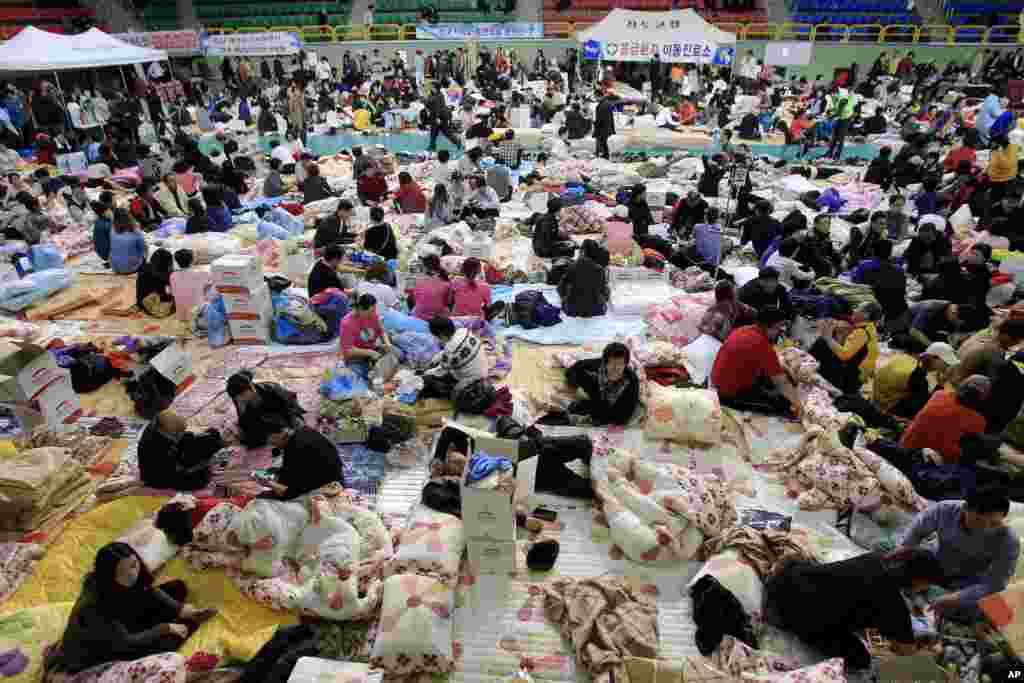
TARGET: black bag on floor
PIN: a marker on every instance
(151, 393)
(277, 658)
(475, 398)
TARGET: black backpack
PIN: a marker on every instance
(558, 270)
(90, 371)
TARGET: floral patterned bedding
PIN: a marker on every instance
(319, 556)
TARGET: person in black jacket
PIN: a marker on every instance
(576, 125)
(927, 251)
(584, 287)
(880, 169)
(765, 291)
(611, 386)
(604, 125)
(336, 229)
(440, 117)
(690, 211)
(120, 615)
(818, 252)
(379, 238)
(315, 187)
(862, 246)
(309, 462)
(171, 457)
(548, 240)
(324, 274)
(267, 122)
(761, 229)
(263, 408)
(714, 171)
(640, 213)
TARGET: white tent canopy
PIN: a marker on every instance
(679, 36)
(36, 50)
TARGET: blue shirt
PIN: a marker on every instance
(980, 562)
(860, 273)
(926, 202)
(127, 251)
(220, 218)
(709, 242)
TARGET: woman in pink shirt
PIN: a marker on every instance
(433, 293)
(471, 298)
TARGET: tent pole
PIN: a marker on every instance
(123, 79)
(56, 79)
(170, 68)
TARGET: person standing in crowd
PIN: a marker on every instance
(604, 125)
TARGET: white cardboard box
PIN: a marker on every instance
(250, 331)
(175, 363)
(488, 513)
(249, 304)
(237, 272)
(489, 556)
(480, 249)
(59, 403)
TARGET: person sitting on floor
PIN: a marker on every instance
(747, 373)
(817, 252)
(198, 220)
(927, 251)
(689, 211)
(790, 272)
(900, 387)
(483, 201)
(471, 296)
(335, 229)
(379, 238)
(584, 287)
(761, 229)
(947, 417)
(975, 549)
(433, 292)
(928, 321)
(315, 187)
(548, 239)
(611, 386)
(764, 291)
(363, 338)
(324, 274)
(981, 349)
(846, 365)
(262, 407)
(120, 615)
(171, 457)
(273, 184)
(460, 362)
(862, 592)
(127, 247)
(153, 285)
(887, 280)
(309, 461)
(862, 246)
(410, 197)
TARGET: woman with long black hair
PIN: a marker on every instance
(121, 615)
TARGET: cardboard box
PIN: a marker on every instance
(58, 403)
(482, 249)
(175, 363)
(250, 304)
(237, 273)
(488, 556)
(25, 370)
(250, 331)
(488, 513)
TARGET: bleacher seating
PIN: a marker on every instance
(584, 12)
(983, 6)
(885, 19)
(449, 11)
(15, 18)
(853, 12)
(162, 14)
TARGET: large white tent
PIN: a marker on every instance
(678, 36)
(36, 50)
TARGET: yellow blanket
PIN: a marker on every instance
(240, 629)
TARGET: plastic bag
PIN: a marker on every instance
(340, 383)
(17, 295)
(46, 257)
(217, 332)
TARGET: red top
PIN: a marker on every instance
(940, 424)
(411, 199)
(746, 354)
(954, 158)
(798, 126)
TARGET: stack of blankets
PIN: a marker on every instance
(39, 486)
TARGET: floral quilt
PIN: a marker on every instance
(659, 513)
(321, 555)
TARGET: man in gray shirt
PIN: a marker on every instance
(977, 551)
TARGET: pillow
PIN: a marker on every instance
(692, 415)
(430, 545)
(24, 637)
(830, 670)
(151, 544)
(415, 632)
(214, 531)
(269, 529)
(740, 578)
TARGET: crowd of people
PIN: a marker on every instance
(936, 376)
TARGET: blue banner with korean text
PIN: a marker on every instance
(506, 31)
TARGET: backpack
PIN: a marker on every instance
(90, 371)
(525, 308)
(331, 305)
(295, 323)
